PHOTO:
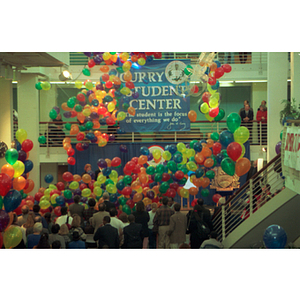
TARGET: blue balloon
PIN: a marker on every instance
(106, 171)
(197, 147)
(275, 237)
(113, 198)
(28, 166)
(18, 145)
(219, 158)
(144, 150)
(190, 173)
(226, 137)
(12, 200)
(217, 63)
(172, 149)
(199, 172)
(113, 72)
(216, 86)
(48, 178)
(103, 121)
(90, 136)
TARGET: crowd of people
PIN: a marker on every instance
(165, 226)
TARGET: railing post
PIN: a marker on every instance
(251, 196)
(132, 137)
(223, 222)
(175, 136)
(47, 152)
(260, 136)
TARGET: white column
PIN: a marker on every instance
(295, 77)
(6, 115)
(278, 67)
(28, 106)
(48, 99)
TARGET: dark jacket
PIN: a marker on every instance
(108, 205)
(78, 209)
(142, 217)
(107, 235)
(250, 115)
(133, 236)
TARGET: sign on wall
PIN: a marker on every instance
(158, 108)
(292, 147)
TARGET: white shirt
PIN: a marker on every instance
(117, 223)
(151, 215)
(213, 242)
(63, 219)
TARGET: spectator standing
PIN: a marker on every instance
(43, 242)
(54, 236)
(76, 242)
(261, 117)
(75, 226)
(77, 208)
(64, 218)
(142, 217)
(177, 228)
(97, 219)
(108, 204)
(36, 210)
(34, 238)
(161, 223)
(23, 218)
(212, 242)
(152, 235)
(133, 234)
(247, 118)
(87, 214)
(48, 218)
(29, 223)
(64, 232)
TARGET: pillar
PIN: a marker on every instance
(278, 67)
(28, 106)
(6, 114)
(295, 77)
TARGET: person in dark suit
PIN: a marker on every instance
(77, 208)
(107, 236)
(133, 234)
(247, 118)
(252, 171)
(108, 205)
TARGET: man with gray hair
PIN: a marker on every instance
(34, 238)
(97, 219)
(23, 218)
(108, 204)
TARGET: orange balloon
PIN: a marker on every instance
(30, 186)
(157, 160)
(104, 69)
(209, 162)
(127, 76)
(147, 201)
(213, 66)
(8, 170)
(192, 115)
(135, 185)
(66, 146)
(76, 177)
(206, 182)
(114, 58)
(179, 189)
(65, 107)
(142, 170)
(210, 143)
(131, 110)
(108, 161)
(206, 152)
(19, 183)
(117, 80)
(193, 191)
(96, 124)
(80, 117)
(142, 159)
(145, 190)
(137, 197)
(41, 190)
(199, 158)
(143, 178)
(74, 129)
(86, 178)
(91, 97)
(156, 189)
(66, 140)
(242, 166)
(198, 182)
(29, 203)
(97, 133)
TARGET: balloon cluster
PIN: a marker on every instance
(14, 187)
(43, 85)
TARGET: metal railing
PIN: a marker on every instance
(258, 190)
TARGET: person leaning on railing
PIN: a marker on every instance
(261, 117)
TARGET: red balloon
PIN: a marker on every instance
(134, 177)
(60, 186)
(129, 84)
(91, 184)
(55, 192)
(135, 160)
(179, 174)
(73, 113)
(234, 151)
(213, 112)
(38, 196)
(126, 171)
(57, 211)
(216, 197)
(212, 80)
(194, 202)
(127, 190)
(105, 136)
(130, 165)
(166, 177)
(91, 63)
(71, 160)
(116, 161)
(219, 72)
(217, 147)
(67, 176)
(80, 136)
(79, 147)
(43, 211)
(130, 203)
(205, 97)
(226, 68)
(27, 145)
(70, 151)
(105, 77)
(5, 184)
(172, 192)
(110, 121)
(82, 186)
(136, 169)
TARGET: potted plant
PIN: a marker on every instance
(290, 111)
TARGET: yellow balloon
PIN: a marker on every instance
(208, 117)
(44, 204)
(19, 168)
(12, 237)
(111, 106)
(86, 112)
(78, 84)
(213, 103)
(106, 55)
(210, 90)
(101, 178)
(204, 108)
(21, 135)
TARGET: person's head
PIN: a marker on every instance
(64, 210)
(63, 229)
(91, 202)
(55, 228)
(184, 246)
(246, 102)
(25, 210)
(76, 199)
(140, 206)
(106, 219)
(177, 207)
(113, 212)
(123, 217)
(154, 206)
(43, 242)
(105, 196)
(87, 167)
(36, 208)
(76, 221)
(255, 164)
(101, 206)
(165, 200)
(247, 107)
(213, 235)
(30, 220)
(75, 236)
(47, 216)
(131, 218)
(263, 103)
(171, 201)
(200, 202)
(37, 227)
(56, 245)
(266, 188)
(37, 219)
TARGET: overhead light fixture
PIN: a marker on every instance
(264, 149)
(65, 74)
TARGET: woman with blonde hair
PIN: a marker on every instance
(75, 226)
(28, 225)
(64, 232)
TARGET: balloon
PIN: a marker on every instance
(220, 115)
(242, 166)
(233, 121)
(208, 163)
(213, 112)
(12, 200)
(216, 198)
(208, 117)
(204, 192)
(19, 183)
(193, 191)
(67, 176)
(28, 164)
(204, 108)
(228, 166)
(8, 170)
(19, 168)
(28, 188)
(21, 135)
(192, 115)
(11, 156)
(226, 137)
(48, 178)
(241, 135)
(216, 148)
(234, 151)
(215, 136)
(4, 220)
(275, 237)
(278, 147)
(12, 237)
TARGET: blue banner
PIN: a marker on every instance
(158, 107)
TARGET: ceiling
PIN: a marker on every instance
(29, 59)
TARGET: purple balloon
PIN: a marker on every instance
(4, 219)
(57, 109)
(98, 59)
(89, 92)
(278, 147)
(94, 115)
(85, 146)
(148, 207)
(82, 103)
(112, 137)
(102, 163)
(94, 140)
(88, 54)
(123, 148)
(150, 156)
(22, 155)
(67, 114)
(77, 192)
(135, 95)
(150, 194)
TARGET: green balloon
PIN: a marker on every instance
(204, 192)
(42, 139)
(125, 106)
(183, 181)
(38, 85)
(281, 135)
(109, 181)
(78, 108)
(86, 72)
(159, 169)
(46, 85)
(192, 143)
(233, 122)
(172, 166)
(214, 136)
(183, 168)
(164, 187)
(67, 194)
(127, 179)
(68, 126)
(120, 70)
(71, 102)
(150, 170)
(11, 155)
(122, 200)
(210, 174)
(228, 166)
(126, 209)
(187, 71)
(52, 114)
(224, 153)
(220, 115)
(82, 128)
(157, 177)
(213, 157)
(1, 202)
(89, 125)
(241, 135)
